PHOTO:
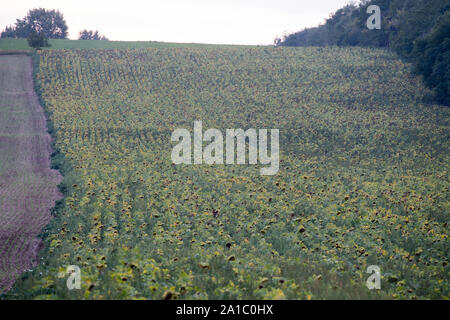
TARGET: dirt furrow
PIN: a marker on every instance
(28, 186)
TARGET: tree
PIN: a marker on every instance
(91, 35)
(37, 40)
(49, 22)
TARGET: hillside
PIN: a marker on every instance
(418, 30)
(10, 44)
(363, 176)
(28, 187)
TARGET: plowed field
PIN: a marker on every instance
(28, 187)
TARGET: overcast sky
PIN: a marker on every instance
(201, 21)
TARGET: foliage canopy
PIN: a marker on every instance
(49, 22)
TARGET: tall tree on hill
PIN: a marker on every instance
(49, 22)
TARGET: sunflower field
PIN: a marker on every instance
(363, 176)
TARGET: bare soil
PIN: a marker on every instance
(28, 186)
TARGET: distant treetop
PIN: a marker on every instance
(51, 23)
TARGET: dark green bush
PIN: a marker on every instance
(37, 40)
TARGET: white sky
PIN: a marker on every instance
(201, 21)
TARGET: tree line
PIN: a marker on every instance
(418, 30)
(41, 24)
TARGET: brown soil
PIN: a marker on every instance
(28, 187)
